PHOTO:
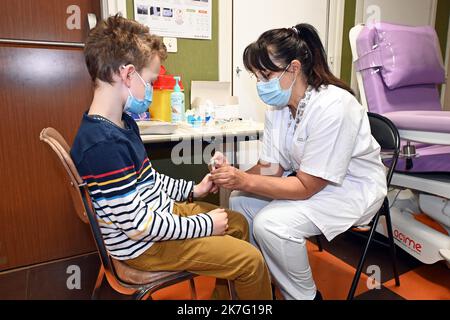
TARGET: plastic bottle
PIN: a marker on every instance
(177, 102)
(162, 88)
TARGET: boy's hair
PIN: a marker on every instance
(116, 42)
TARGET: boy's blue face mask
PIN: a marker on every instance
(137, 106)
(271, 92)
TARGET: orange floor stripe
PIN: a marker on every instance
(204, 286)
(429, 282)
(333, 276)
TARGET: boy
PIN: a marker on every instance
(135, 205)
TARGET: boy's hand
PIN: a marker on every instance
(220, 221)
(205, 187)
(229, 177)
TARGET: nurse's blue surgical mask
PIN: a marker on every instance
(271, 92)
(137, 106)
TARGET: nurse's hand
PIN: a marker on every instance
(219, 160)
(230, 178)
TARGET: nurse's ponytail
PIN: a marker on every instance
(315, 65)
(276, 49)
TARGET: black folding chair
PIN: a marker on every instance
(387, 136)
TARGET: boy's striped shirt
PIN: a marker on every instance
(134, 203)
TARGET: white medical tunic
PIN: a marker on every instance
(332, 141)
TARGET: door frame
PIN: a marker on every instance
(225, 40)
(336, 15)
(445, 102)
(111, 7)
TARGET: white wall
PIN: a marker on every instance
(112, 7)
(408, 12)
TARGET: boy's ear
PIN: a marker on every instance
(125, 73)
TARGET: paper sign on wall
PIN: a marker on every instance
(176, 18)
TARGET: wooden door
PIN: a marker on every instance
(41, 85)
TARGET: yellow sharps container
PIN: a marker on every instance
(162, 88)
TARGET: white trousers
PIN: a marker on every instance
(280, 230)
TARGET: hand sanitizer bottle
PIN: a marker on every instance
(177, 102)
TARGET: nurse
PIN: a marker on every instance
(320, 170)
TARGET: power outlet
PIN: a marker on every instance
(171, 44)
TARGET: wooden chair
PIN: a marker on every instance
(121, 277)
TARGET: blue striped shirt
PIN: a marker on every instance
(133, 202)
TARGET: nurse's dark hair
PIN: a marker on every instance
(276, 49)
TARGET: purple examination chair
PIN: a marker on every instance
(399, 70)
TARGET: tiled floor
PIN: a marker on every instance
(418, 281)
(334, 269)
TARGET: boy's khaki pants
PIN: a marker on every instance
(228, 257)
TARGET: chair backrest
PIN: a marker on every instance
(377, 57)
(62, 150)
(388, 137)
(121, 277)
(78, 191)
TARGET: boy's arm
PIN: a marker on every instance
(124, 205)
(177, 189)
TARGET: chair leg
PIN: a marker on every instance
(193, 290)
(98, 283)
(146, 294)
(274, 292)
(319, 243)
(232, 290)
(143, 294)
(392, 248)
(357, 276)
